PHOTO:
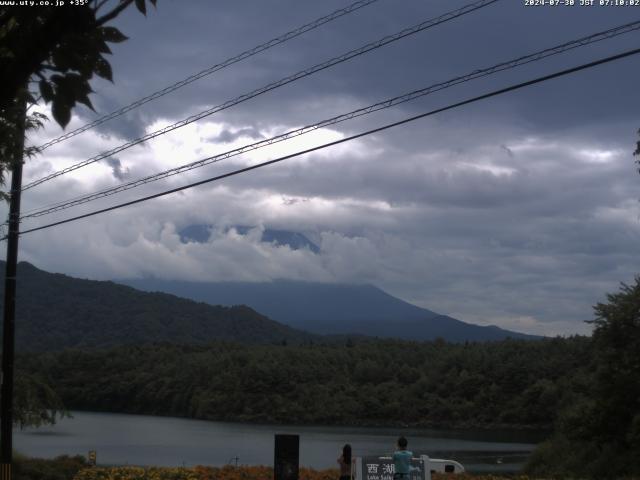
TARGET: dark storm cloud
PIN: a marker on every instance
(520, 210)
(149, 63)
(119, 173)
(228, 136)
(430, 56)
(128, 127)
(507, 150)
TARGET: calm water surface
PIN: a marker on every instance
(146, 440)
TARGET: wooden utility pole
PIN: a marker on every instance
(8, 330)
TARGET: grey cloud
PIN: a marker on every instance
(430, 56)
(228, 135)
(119, 173)
(125, 127)
(489, 212)
(507, 150)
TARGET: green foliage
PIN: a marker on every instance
(598, 430)
(15, 124)
(62, 47)
(12, 130)
(35, 403)
(59, 468)
(377, 382)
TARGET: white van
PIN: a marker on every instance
(445, 466)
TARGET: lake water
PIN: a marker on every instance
(146, 440)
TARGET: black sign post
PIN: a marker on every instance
(286, 461)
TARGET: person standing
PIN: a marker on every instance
(402, 460)
(344, 461)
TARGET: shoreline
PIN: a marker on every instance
(506, 428)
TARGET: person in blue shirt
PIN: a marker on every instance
(402, 460)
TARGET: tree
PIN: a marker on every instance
(35, 403)
(617, 351)
(598, 433)
(60, 49)
(11, 132)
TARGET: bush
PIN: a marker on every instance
(59, 468)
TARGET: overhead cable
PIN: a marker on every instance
(208, 71)
(284, 81)
(523, 60)
(346, 139)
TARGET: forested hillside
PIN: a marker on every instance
(56, 311)
(509, 383)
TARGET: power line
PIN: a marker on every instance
(284, 81)
(353, 137)
(208, 71)
(533, 57)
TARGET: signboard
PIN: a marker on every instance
(382, 468)
(286, 457)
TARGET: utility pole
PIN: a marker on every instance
(8, 328)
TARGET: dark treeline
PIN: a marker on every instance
(586, 389)
(381, 382)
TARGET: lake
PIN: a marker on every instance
(121, 439)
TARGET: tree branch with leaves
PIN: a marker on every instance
(59, 49)
(35, 403)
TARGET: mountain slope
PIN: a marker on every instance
(55, 311)
(332, 309)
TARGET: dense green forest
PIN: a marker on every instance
(383, 382)
(586, 389)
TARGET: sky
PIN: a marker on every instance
(519, 211)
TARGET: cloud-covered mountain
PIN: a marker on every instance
(324, 308)
(524, 205)
(293, 240)
(55, 311)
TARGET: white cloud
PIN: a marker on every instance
(459, 242)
